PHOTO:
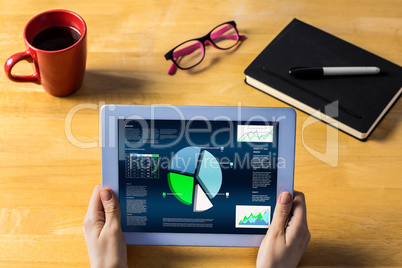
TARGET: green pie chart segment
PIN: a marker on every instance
(182, 187)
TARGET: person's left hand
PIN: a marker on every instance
(102, 230)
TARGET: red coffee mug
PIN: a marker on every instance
(60, 72)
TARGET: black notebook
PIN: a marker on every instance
(360, 101)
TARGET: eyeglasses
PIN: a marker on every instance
(190, 53)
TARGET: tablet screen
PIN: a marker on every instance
(197, 176)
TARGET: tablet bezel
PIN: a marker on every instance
(109, 115)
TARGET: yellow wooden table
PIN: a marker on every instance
(50, 153)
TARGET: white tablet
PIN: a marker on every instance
(199, 176)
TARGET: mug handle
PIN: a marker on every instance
(11, 61)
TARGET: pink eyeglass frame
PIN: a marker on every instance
(205, 40)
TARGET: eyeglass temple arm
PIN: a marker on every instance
(190, 49)
(172, 69)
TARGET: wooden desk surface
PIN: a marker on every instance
(354, 206)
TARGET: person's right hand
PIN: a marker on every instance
(284, 245)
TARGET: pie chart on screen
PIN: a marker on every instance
(195, 177)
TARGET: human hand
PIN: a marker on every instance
(102, 230)
(284, 246)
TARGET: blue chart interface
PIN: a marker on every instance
(197, 176)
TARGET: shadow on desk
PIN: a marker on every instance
(104, 83)
(175, 256)
(319, 253)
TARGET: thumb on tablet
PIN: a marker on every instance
(111, 207)
(282, 212)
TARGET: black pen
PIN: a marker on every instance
(305, 72)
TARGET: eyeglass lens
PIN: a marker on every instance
(188, 54)
(224, 36)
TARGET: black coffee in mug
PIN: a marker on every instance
(56, 38)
